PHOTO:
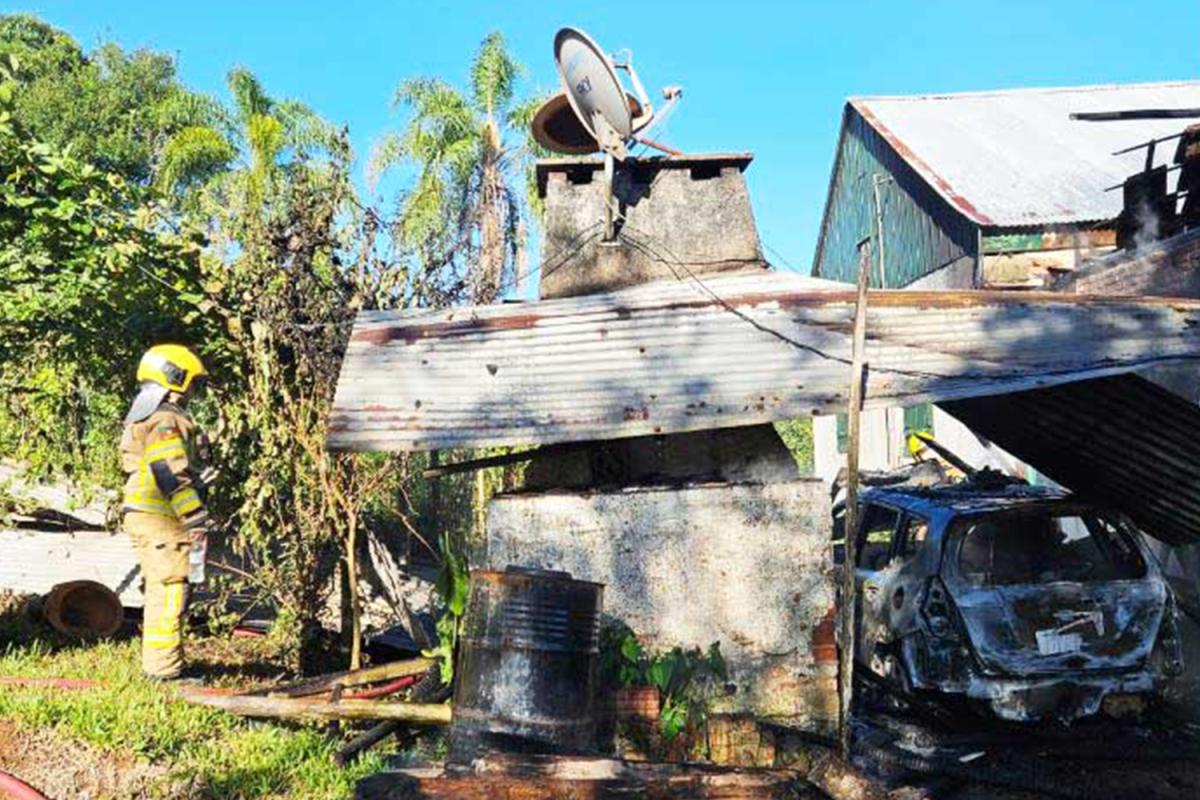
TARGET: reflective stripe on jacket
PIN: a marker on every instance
(157, 453)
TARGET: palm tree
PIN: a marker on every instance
(469, 150)
(257, 127)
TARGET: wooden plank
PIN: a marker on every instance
(316, 710)
(358, 677)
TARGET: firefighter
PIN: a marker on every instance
(163, 452)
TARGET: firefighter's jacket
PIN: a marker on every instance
(163, 455)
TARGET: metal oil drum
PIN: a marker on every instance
(527, 665)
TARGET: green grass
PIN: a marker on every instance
(216, 755)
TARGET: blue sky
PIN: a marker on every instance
(768, 77)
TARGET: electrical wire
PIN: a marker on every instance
(564, 254)
(780, 257)
(671, 261)
(650, 253)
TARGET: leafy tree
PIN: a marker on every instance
(465, 216)
(84, 260)
(797, 435)
(291, 259)
(161, 215)
(114, 109)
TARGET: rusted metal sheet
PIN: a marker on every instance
(1119, 441)
(1016, 158)
(737, 350)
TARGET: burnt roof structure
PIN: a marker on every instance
(1120, 441)
(981, 172)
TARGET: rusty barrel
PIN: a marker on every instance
(527, 665)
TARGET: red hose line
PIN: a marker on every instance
(16, 789)
(386, 689)
(248, 633)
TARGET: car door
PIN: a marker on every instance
(906, 575)
(874, 546)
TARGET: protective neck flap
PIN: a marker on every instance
(148, 399)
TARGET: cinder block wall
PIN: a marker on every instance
(746, 565)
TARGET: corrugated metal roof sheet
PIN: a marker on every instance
(737, 350)
(1120, 441)
(1016, 158)
(36, 561)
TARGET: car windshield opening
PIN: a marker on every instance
(1008, 549)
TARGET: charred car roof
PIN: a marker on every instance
(964, 498)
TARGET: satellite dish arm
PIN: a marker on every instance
(627, 64)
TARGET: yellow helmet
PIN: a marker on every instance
(171, 366)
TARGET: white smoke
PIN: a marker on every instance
(1146, 230)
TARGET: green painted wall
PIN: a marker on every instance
(921, 231)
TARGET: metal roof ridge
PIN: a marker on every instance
(1082, 89)
(926, 171)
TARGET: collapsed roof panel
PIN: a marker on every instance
(732, 350)
(1120, 441)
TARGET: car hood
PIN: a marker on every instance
(1062, 627)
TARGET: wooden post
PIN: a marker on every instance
(356, 631)
(849, 560)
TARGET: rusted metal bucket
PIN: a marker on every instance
(527, 665)
(84, 609)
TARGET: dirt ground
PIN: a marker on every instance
(66, 770)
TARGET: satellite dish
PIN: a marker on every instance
(604, 112)
(589, 80)
(558, 128)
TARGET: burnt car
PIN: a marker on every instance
(1021, 601)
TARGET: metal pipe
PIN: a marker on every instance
(609, 198)
(1121, 185)
(946, 453)
(1136, 113)
(1149, 143)
(646, 140)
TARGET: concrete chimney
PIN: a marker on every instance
(676, 215)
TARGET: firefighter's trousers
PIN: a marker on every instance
(162, 548)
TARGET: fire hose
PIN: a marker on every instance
(382, 691)
(17, 789)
